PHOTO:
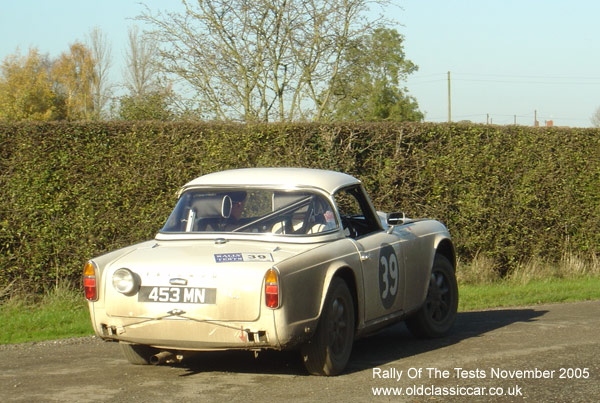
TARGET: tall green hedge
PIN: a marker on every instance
(71, 191)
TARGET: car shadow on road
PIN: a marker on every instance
(397, 342)
(391, 344)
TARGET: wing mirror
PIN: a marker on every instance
(395, 219)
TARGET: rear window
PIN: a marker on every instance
(252, 211)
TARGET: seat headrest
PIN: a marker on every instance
(212, 206)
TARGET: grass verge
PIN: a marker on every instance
(58, 314)
(507, 293)
(63, 312)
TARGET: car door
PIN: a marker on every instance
(384, 274)
(381, 254)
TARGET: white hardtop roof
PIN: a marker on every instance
(328, 181)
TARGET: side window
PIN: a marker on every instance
(347, 204)
(357, 216)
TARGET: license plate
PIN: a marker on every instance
(182, 295)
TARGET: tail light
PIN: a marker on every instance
(89, 282)
(272, 289)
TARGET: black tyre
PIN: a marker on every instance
(438, 313)
(137, 354)
(329, 349)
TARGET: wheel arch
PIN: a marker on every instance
(349, 277)
(446, 249)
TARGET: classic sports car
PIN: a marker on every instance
(273, 258)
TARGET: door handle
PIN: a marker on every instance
(364, 256)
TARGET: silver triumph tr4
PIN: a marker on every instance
(273, 258)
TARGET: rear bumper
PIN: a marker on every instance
(186, 334)
(182, 333)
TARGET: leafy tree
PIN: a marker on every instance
(26, 89)
(368, 86)
(153, 105)
(73, 86)
(260, 60)
(74, 79)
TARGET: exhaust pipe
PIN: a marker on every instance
(162, 358)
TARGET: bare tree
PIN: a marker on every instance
(260, 60)
(101, 55)
(596, 118)
(141, 72)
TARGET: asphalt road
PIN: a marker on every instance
(544, 353)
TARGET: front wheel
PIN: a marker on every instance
(328, 351)
(438, 313)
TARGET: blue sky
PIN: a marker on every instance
(506, 57)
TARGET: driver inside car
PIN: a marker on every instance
(238, 202)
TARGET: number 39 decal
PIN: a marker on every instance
(388, 275)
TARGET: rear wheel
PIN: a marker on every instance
(438, 313)
(137, 354)
(328, 351)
